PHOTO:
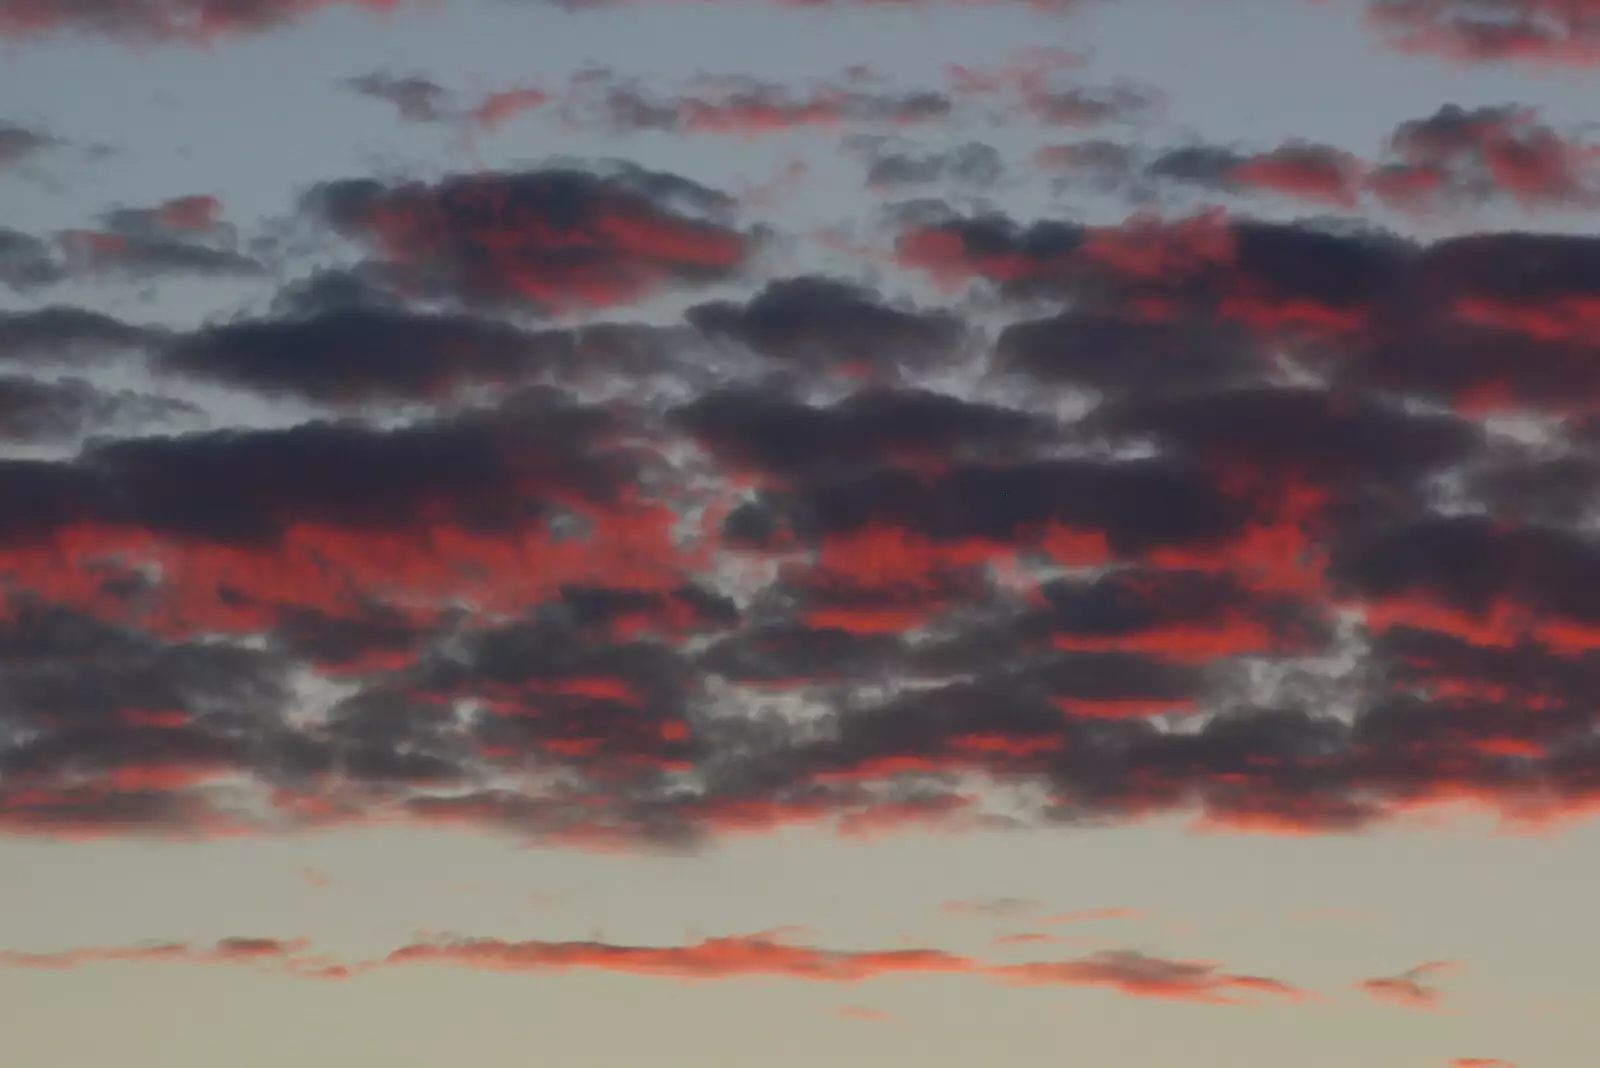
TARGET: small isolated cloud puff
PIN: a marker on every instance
(1407, 989)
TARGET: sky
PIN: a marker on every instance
(772, 533)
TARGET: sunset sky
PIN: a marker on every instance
(772, 533)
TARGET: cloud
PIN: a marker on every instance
(514, 589)
(162, 21)
(813, 319)
(1132, 974)
(604, 101)
(1338, 284)
(226, 951)
(551, 239)
(199, 22)
(1027, 938)
(744, 107)
(1216, 529)
(19, 143)
(1407, 989)
(42, 412)
(1118, 354)
(993, 907)
(1307, 171)
(1083, 107)
(1460, 156)
(422, 100)
(183, 235)
(891, 167)
(27, 262)
(1539, 31)
(1442, 164)
(1138, 975)
(1030, 84)
(500, 107)
(356, 354)
(864, 1013)
(764, 431)
(765, 955)
(415, 98)
(63, 334)
(715, 958)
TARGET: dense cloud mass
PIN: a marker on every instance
(410, 419)
(1234, 532)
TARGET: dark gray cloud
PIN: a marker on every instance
(41, 412)
(18, 143)
(890, 167)
(27, 262)
(180, 236)
(354, 354)
(415, 98)
(62, 333)
(814, 320)
(548, 239)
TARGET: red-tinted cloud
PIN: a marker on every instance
(716, 958)
(1539, 31)
(1443, 163)
(184, 235)
(1307, 172)
(500, 107)
(864, 1013)
(1458, 156)
(1407, 989)
(226, 951)
(1129, 973)
(1281, 578)
(765, 955)
(182, 21)
(1137, 975)
(551, 239)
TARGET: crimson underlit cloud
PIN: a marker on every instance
(1561, 32)
(1442, 165)
(713, 959)
(1023, 576)
(550, 238)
